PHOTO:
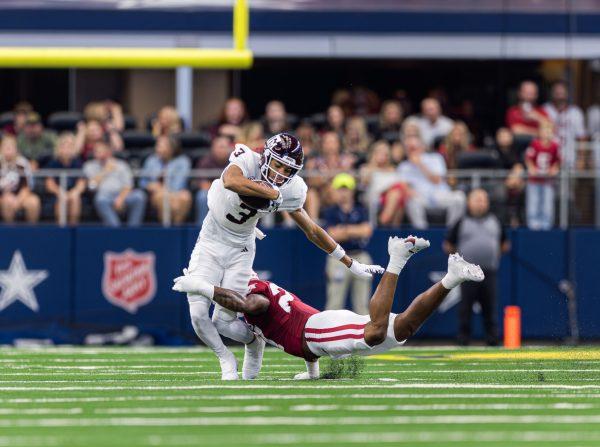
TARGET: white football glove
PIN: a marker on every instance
(365, 270)
(275, 204)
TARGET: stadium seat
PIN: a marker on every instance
(64, 121)
(390, 136)
(318, 120)
(135, 139)
(6, 119)
(194, 140)
(130, 122)
(483, 159)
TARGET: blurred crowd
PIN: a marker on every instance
(406, 159)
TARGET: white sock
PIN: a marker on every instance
(313, 369)
(396, 264)
(450, 281)
(230, 326)
(205, 329)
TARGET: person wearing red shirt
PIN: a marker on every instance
(524, 118)
(543, 163)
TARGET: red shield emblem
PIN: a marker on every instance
(129, 279)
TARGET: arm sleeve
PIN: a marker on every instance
(180, 173)
(579, 124)
(147, 174)
(243, 157)
(295, 197)
(503, 236)
(452, 235)
(127, 175)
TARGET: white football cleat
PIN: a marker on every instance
(228, 367)
(253, 357)
(462, 270)
(406, 247)
(304, 376)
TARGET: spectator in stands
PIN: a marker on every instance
(233, 117)
(90, 133)
(524, 118)
(543, 163)
(357, 139)
(252, 135)
(108, 113)
(348, 223)
(35, 143)
(410, 128)
(167, 122)
(69, 194)
(165, 176)
(481, 239)
(456, 142)
(21, 110)
(569, 125)
(432, 124)
(397, 153)
(392, 194)
(16, 184)
(309, 139)
(390, 120)
(335, 119)
(424, 172)
(276, 119)
(514, 183)
(111, 180)
(331, 162)
(216, 160)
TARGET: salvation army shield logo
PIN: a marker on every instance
(129, 279)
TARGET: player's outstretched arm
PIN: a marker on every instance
(234, 180)
(325, 242)
(252, 304)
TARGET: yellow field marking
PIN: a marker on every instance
(576, 354)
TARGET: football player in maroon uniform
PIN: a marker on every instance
(300, 330)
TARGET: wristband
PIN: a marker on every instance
(338, 252)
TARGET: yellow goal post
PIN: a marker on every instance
(237, 57)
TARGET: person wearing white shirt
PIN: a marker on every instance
(425, 172)
(432, 124)
(568, 121)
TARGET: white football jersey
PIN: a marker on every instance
(232, 221)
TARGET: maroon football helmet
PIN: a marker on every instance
(286, 149)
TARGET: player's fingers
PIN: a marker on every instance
(375, 268)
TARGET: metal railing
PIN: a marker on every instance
(466, 179)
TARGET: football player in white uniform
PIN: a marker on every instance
(224, 252)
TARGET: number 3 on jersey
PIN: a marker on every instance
(284, 300)
(243, 216)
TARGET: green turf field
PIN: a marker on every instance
(412, 397)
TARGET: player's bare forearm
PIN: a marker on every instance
(234, 180)
(230, 300)
(252, 304)
(316, 234)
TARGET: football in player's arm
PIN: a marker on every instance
(235, 180)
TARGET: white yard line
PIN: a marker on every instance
(444, 407)
(234, 397)
(267, 371)
(37, 411)
(183, 410)
(455, 419)
(316, 385)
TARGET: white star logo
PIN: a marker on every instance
(17, 283)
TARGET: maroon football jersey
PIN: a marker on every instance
(283, 323)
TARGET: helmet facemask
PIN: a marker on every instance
(272, 175)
